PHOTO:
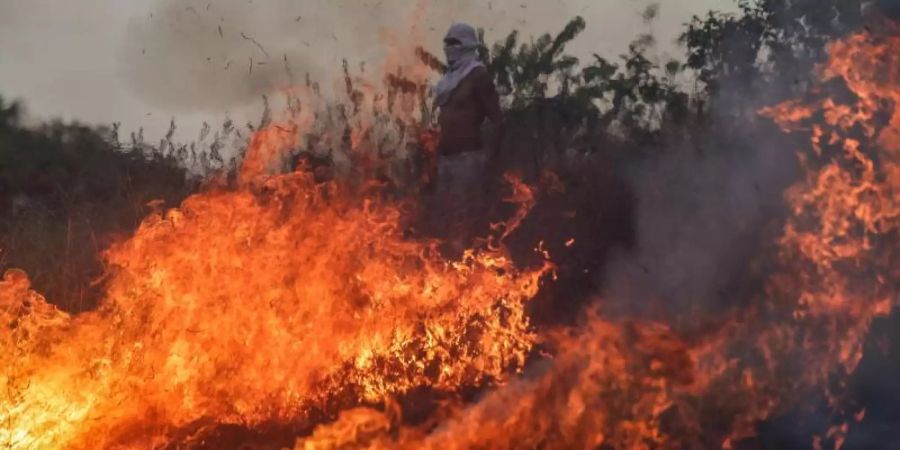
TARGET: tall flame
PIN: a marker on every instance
(274, 302)
(641, 386)
(286, 300)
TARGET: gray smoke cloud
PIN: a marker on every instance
(203, 54)
(196, 54)
(704, 211)
(143, 62)
(199, 54)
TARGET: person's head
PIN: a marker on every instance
(461, 41)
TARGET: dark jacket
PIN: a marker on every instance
(461, 117)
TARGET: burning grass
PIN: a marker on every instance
(264, 303)
(641, 386)
(288, 300)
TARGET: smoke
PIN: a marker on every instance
(708, 208)
(143, 62)
(8, 13)
(203, 55)
(213, 55)
(705, 211)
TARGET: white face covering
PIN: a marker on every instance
(462, 58)
(456, 53)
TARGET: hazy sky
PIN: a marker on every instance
(142, 62)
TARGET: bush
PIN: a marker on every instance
(66, 191)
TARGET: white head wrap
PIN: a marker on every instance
(461, 60)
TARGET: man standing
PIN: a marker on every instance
(465, 96)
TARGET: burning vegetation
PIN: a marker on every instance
(304, 309)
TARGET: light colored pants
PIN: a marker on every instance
(461, 173)
(459, 197)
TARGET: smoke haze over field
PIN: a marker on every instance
(701, 220)
(143, 62)
(682, 269)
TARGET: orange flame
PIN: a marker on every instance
(640, 386)
(285, 300)
(277, 301)
(245, 308)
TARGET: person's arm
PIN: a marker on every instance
(487, 94)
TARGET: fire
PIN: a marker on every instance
(283, 299)
(278, 301)
(642, 386)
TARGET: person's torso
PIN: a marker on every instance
(462, 116)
